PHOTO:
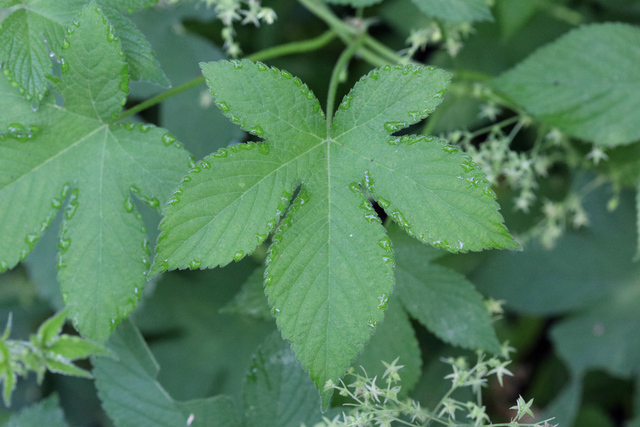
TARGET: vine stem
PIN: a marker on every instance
(335, 77)
(270, 53)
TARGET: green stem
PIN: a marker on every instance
(273, 52)
(161, 97)
(323, 12)
(375, 53)
(385, 52)
(335, 76)
(472, 75)
(294, 47)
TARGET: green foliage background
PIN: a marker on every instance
(571, 310)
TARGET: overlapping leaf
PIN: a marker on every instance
(73, 152)
(277, 391)
(589, 276)
(439, 298)
(191, 115)
(592, 96)
(46, 412)
(31, 32)
(330, 267)
(131, 396)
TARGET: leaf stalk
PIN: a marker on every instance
(341, 64)
(270, 53)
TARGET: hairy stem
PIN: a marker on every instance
(335, 78)
(273, 52)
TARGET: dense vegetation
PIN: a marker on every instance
(236, 203)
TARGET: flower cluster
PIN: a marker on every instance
(379, 405)
(491, 149)
(230, 12)
(449, 35)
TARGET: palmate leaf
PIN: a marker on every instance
(73, 152)
(330, 267)
(40, 26)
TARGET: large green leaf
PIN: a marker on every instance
(39, 27)
(589, 96)
(590, 278)
(443, 300)
(131, 396)
(47, 412)
(456, 10)
(215, 348)
(603, 337)
(393, 338)
(73, 152)
(278, 391)
(585, 267)
(330, 264)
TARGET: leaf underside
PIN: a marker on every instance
(330, 267)
(73, 157)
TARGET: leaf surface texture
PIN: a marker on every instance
(73, 157)
(330, 264)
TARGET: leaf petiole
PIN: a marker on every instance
(274, 52)
(341, 64)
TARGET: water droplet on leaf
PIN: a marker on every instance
(257, 130)
(111, 35)
(223, 106)
(449, 149)
(383, 301)
(384, 204)
(223, 152)
(385, 244)
(369, 183)
(394, 126)
(128, 205)
(168, 139)
(264, 148)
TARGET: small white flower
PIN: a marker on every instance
(267, 15)
(597, 155)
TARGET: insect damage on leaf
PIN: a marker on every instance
(330, 264)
